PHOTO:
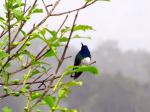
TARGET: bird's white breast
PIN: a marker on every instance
(86, 61)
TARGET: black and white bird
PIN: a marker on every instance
(82, 58)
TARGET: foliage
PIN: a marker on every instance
(33, 69)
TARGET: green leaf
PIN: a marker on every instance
(4, 41)
(78, 36)
(3, 54)
(82, 28)
(49, 54)
(35, 72)
(15, 6)
(53, 33)
(19, 2)
(64, 92)
(50, 100)
(73, 83)
(2, 19)
(88, 0)
(36, 10)
(24, 33)
(15, 81)
(66, 29)
(35, 95)
(18, 14)
(73, 69)
(6, 109)
(63, 39)
(43, 31)
(28, 53)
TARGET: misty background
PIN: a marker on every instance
(122, 86)
(120, 46)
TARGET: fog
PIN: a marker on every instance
(122, 86)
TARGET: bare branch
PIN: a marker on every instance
(62, 23)
(71, 11)
(45, 7)
(66, 47)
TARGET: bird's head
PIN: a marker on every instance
(83, 46)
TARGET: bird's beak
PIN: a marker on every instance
(82, 44)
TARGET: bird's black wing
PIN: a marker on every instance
(77, 63)
(78, 59)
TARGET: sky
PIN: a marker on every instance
(126, 21)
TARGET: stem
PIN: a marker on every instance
(9, 30)
(66, 47)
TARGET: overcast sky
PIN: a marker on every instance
(126, 21)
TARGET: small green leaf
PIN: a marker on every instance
(6, 109)
(2, 19)
(78, 36)
(88, 0)
(35, 72)
(64, 92)
(19, 2)
(5, 88)
(17, 94)
(82, 28)
(18, 14)
(49, 54)
(15, 6)
(35, 95)
(73, 69)
(36, 10)
(66, 29)
(24, 89)
(50, 100)
(3, 54)
(16, 81)
(61, 93)
(24, 33)
(73, 83)
(53, 33)
(63, 39)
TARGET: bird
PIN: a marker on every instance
(83, 57)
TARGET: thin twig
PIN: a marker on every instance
(23, 23)
(45, 92)
(25, 3)
(67, 57)
(62, 23)
(66, 47)
(45, 6)
(92, 62)
(71, 11)
(32, 82)
(9, 30)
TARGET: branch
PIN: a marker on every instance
(23, 22)
(71, 11)
(62, 24)
(9, 29)
(32, 82)
(45, 6)
(66, 47)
